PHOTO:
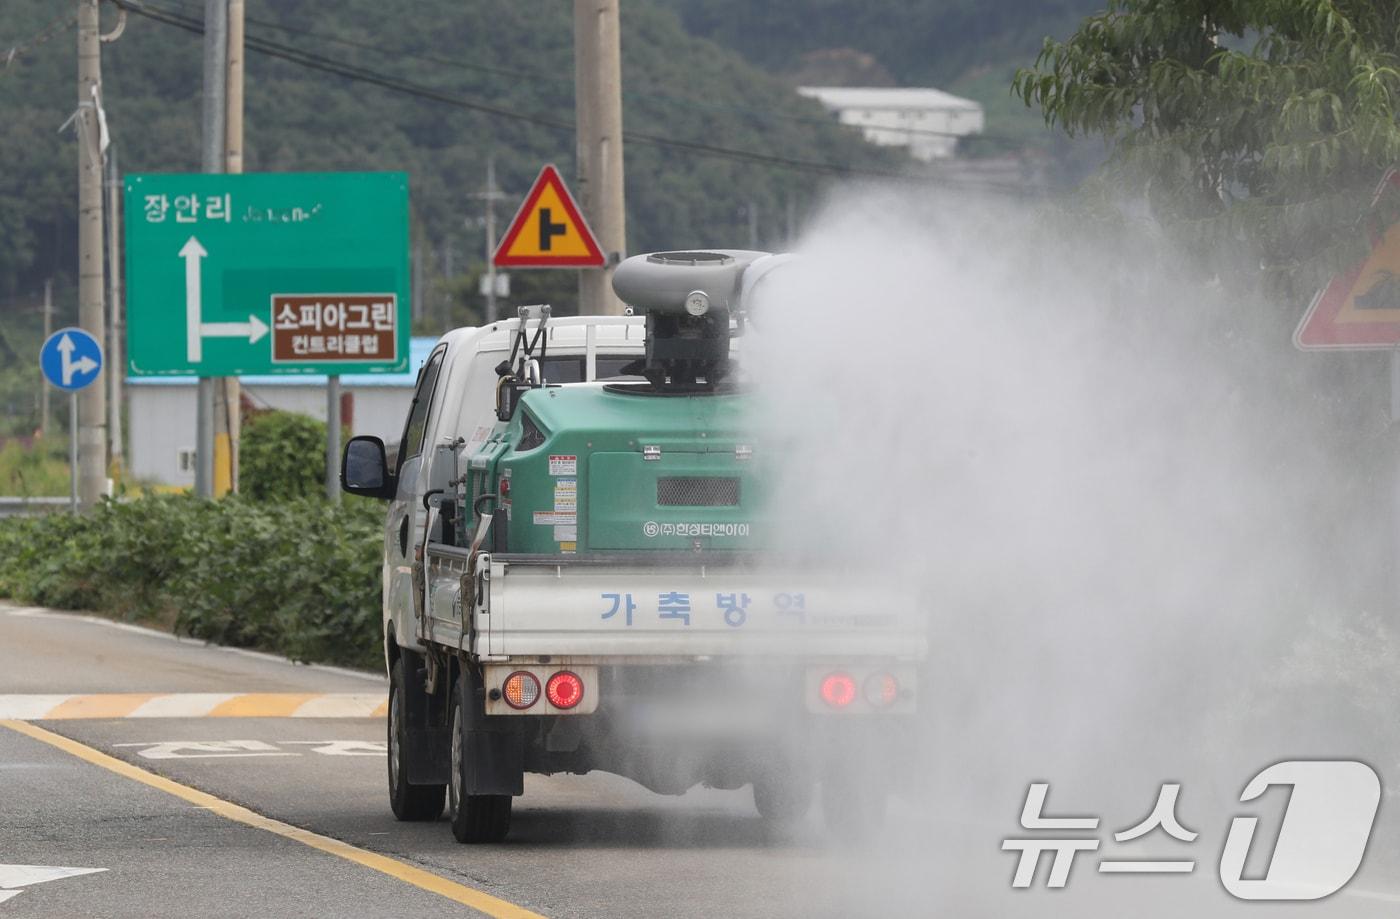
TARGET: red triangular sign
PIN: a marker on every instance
(1359, 309)
(548, 231)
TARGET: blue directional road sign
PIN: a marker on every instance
(70, 359)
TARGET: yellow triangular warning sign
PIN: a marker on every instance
(548, 231)
(1360, 308)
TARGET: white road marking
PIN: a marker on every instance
(205, 749)
(30, 707)
(15, 877)
(344, 747)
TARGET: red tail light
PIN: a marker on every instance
(564, 689)
(838, 690)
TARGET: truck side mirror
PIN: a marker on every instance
(364, 469)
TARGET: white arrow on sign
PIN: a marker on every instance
(13, 877)
(197, 330)
(83, 364)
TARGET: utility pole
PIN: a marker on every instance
(492, 193)
(490, 196)
(92, 404)
(227, 392)
(416, 269)
(114, 301)
(44, 383)
(598, 105)
(212, 155)
(333, 438)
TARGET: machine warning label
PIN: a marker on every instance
(566, 495)
(556, 519)
(563, 465)
(651, 529)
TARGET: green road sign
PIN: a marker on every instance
(267, 273)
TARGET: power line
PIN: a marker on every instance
(335, 67)
(46, 33)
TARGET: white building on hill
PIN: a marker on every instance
(927, 121)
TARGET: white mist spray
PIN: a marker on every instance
(1135, 517)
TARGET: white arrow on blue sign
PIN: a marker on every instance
(70, 359)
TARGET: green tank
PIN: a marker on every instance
(664, 465)
(602, 468)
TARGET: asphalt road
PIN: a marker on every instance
(229, 815)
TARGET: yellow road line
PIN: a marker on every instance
(262, 705)
(110, 705)
(402, 871)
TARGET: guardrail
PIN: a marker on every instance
(24, 507)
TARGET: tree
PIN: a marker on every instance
(1261, 122)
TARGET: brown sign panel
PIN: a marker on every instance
(354, 328)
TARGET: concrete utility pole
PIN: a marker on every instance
(44, 383)
(212, 155)
(227, 392)
(490, 196)
(333, 438)
(114, 300)
(598, 104)
(92, 403)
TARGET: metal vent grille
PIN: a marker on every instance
(531, 436)
(697, 491)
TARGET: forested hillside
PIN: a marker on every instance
(720, 149)
(514, 55)
(969, 47)
(921, 43)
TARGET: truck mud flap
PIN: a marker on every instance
(429, 758)
(494, 746)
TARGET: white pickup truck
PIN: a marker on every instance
(580, 573)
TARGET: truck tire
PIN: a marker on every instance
(475, 818)
(782, 799)
(409, 802)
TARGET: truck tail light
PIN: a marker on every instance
(881, 689)
(838, 689)
(521, 689)
(564, 689)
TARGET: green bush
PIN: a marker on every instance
(282, 455)
(41, 469)
(299, 576)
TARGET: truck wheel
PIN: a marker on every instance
(782, 799)
(853, 806)
(475, 818)
(409, 802)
